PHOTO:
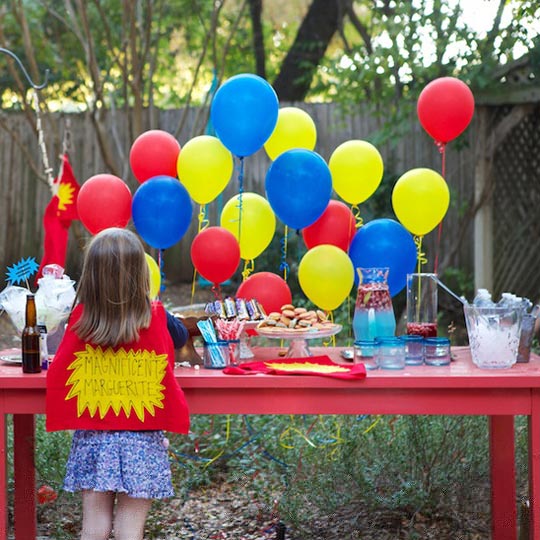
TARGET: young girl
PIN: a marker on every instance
(112, 381)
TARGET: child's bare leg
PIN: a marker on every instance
(97, 514)
(130, 517)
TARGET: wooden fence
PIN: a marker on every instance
(24, 197)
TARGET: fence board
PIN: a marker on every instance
(24, 198)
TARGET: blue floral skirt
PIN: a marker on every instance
(132, 462)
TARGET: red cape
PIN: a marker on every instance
(312, 365)
(130, 387)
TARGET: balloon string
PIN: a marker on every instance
(161, 271)
(332, 341)
(284, 267)
(442, 149)
(420, 255)
(249, 266)
(359, 221)
(193, 281)
(203, 221)
(216, 289)
(240, 196)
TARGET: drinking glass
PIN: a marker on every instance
(390, 352)
(437, 351)
(365, 352)
(414, 349)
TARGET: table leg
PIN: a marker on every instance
(503, 478)
(25, 477)
(3, 479)
(534, 467)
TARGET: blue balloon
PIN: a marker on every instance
(244, 113)
(298, 187)
(385, 243)
(161, 211)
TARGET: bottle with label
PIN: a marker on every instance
(31, 339)
(44, 352)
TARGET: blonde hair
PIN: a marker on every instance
(114, 289)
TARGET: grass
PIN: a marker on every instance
(306, 468)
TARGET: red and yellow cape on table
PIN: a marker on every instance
(312, 365)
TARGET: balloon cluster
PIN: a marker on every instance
(299, 185)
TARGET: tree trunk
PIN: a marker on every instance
(255, 10)
(319, 25)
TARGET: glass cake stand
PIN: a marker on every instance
(298, 339)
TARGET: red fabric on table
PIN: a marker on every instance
(312, 365)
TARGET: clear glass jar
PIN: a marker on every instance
(422, 304)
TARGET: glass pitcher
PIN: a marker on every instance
(373, 312)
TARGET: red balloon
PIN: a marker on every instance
(336, 226)
(215, 254)
(445, 108)
(154, 153)
(270, 290)
(104, 201)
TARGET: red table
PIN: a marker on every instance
(458, 389)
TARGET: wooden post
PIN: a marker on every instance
(483, 219)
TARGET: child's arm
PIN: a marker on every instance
(178, 331)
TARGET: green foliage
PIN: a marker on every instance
(313, 466)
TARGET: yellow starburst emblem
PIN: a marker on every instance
(306, 366)
(121, 380)
(65, 195)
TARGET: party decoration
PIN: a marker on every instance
(336, 226)
(244, 113)
(357, 170)
(155, 276)
(420, 199)
(104, 201)
(215, 254)
(385, 243)
(294, 129)
(154, 153)
(298, 187)
(270, 290)
(204, 168)
(326, 275)
(250, 219)
(445, 108)
(162, 211)
(22, 270)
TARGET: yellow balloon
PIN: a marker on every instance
(253, 226)
(294, 129)
(204, 167)
(155, 276)
(420, 199)
(326, 275)
(357, 170)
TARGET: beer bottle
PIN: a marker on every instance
(31, 357)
